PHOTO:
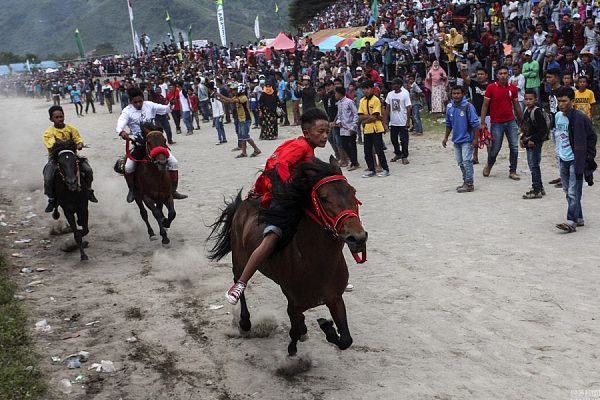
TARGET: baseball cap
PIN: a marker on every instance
(585, 53)
(359, 68)
(576, 16)
(306, 78)
(528, 53)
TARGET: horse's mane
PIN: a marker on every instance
(293, 197)
(60, 146)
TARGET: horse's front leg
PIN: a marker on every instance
(76, 233)
(158, 215)
(144, 215)
(337, 308)
(170, 214)
(82, 220)
(297, 328)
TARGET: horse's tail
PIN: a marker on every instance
(221, 229)
(119, 166)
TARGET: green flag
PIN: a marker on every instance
(190, 37)
(79, 44)
(278, 16)
(168, 19)
(374, 11)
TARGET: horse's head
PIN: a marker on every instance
(157, 149)
(63, 154)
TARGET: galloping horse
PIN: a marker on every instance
(318, 212)
(70, 194)
(152, 182)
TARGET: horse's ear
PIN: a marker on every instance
(333, 161)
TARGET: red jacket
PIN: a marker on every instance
(286, 157)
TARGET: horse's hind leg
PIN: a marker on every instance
(158, 215)
(76, 233)
(297, 328)
(337, 308)
(144, 215)
(244, 323)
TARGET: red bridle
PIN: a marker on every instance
(150, 153)
(333, 225)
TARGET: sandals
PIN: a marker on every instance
(566, 227)
(255, 153)
(242, 155)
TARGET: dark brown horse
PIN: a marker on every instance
(153, 183)
(71, 195)
(318, 212)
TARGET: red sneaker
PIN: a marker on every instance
(234, 293)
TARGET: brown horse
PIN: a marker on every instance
(318, 212)
(153, 183)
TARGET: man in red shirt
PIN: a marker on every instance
(500, 98)
(315, 128)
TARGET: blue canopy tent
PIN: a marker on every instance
(382, 41)
(48, 64)
(18, 67)
(4, 70)
(398, 45)
(329, 43)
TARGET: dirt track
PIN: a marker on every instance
(464, 296)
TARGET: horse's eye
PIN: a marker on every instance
(323, 199)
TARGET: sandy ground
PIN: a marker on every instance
(464, 296)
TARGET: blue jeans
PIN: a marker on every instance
(463, 152)
(534, 158)
(164, 122)
(204, 110)
(335, 141)
(416, 115)
(573, 190)
(220, 129)
(499, 129)
(187, 120)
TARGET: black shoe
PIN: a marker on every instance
(51, 206)
(286, 124)
(91, 196)
(172, 142)
(131, 195)
(179, 196)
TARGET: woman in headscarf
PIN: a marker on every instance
(436, 81)
(267, 109)
(453, 44)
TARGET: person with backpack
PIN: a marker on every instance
(535, 127)
(462, 120)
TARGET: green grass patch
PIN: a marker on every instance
(19, 376)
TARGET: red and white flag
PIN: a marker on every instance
(130, 10)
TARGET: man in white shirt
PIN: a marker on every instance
(539, 43)
(186, 114)
(218, 113)
(518, 80)
(398, 113)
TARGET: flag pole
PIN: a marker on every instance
(132, 34)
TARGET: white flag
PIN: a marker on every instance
(256, 28)
(130, 10)
(138, 45)
(221, 22)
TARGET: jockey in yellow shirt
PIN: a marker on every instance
(57, 133)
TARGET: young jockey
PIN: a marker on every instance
(315, 128)
(57, 133)
(132, 116)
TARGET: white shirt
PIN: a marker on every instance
(519, 82)
(185, 104)
(163, 89)
(132, 118)
(217, 108)
(514, 9)
(398, 103)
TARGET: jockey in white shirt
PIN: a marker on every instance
(137, 112)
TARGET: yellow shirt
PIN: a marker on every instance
(374, 107)
(53, 135)
(583, 102)
(240, 108)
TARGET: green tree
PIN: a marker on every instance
(302, 10)
(8, 57)
(104, 49)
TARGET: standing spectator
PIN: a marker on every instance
(584, 97)
(531, 72)
(203, 100)
(283, 94)
(267, 108)
(107, 91)
(478, 88)
(76, 96)
(416, 100)
(500, 99)
(162, 119)
(369, 113)
(193, 98)
(462, 121)
(347, 121)
(307, 94)
(518, 80)
(184, 103)
(397, 117)
(334, 131)
(553, 79)
(173, 93)
(437, 81)
(99, 94)
(535, 132)
(293, 84)
(218, 112)
(591, 36)
(577, 150)
(89, 97)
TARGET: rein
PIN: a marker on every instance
(128, 153)
(150, 153)
(333, 225)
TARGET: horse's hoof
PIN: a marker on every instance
(84, 258)
(166, 245)
(292, 349)
(303, 338)
(153, 237)
(245, 325)
(55, 214)
(344, 343)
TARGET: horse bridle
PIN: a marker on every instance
(334, 225)
(60, 171)
(149, 153)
